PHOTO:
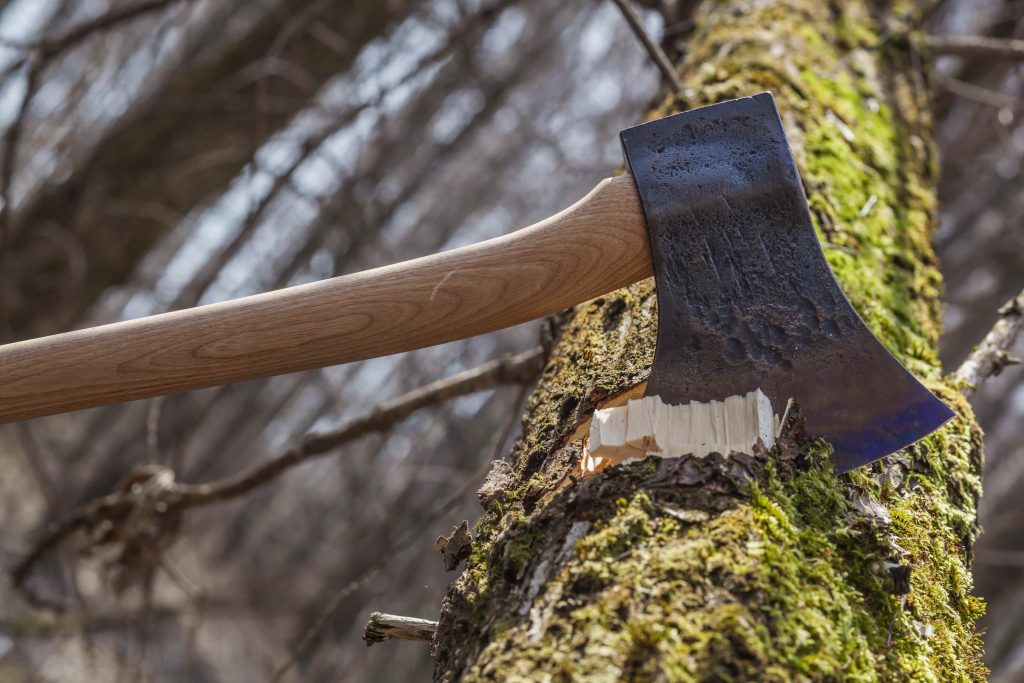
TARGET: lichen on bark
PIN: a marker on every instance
(757, 568)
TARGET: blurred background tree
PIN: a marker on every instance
(163, 153)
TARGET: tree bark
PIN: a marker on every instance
(767, 567)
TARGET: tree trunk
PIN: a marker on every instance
(765, 568)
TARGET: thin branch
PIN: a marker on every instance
(36, 460)
(380, 627)
(653, 49)
(310, 635)
(66, 625)
(993, 353)
(369, 572)
(151, 497)
(975, 93)
(50, 47)
(191, 293)
(513, 369)
(153, 415)
(11, 140)
(976, 46)
(70, 625)
(35, 59)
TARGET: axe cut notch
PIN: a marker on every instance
(646, 426)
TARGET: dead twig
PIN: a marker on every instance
(192, 292)
(144, 513)
(51, 46)
(653, 49)
(35, 58)
(993, 353)
(11, 140)
(380, 627)
(70, 624)
(513, 369)
(975, 93)
(374, 568)
(975, 46)
(153, 415)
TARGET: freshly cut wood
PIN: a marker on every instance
(648, 426)
(646, 419)
(609, 433)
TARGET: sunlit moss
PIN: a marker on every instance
(798, 577)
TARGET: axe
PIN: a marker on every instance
(712, 206)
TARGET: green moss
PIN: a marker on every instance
(790, 585)
(804, 575)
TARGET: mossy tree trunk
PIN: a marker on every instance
(684, 569)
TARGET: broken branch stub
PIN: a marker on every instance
(381, 627)
(648, 426)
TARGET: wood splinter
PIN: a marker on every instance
(648, 426)
(381, 626)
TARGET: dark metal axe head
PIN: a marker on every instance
(745, 296)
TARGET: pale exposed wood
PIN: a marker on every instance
(583, 428)
(647, 426)
(608, 437)
(646, 419)
(593, 247)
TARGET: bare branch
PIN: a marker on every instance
(35, 59)
(653, 49)
(993, 353)
(373, 569)
(976, 93)
(191, 293)
(975, 46)
(145, 511)
(380, 627)
(513, 369)
(321, 620)
(65, 40)
(141, 515)
(156, 407)
(71, 624)
(11, 140)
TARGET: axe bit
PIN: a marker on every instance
(713, 206)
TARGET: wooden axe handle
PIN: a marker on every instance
(596, 245)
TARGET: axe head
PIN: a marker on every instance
(746, 299)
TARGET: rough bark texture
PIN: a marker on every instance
(770, 567)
